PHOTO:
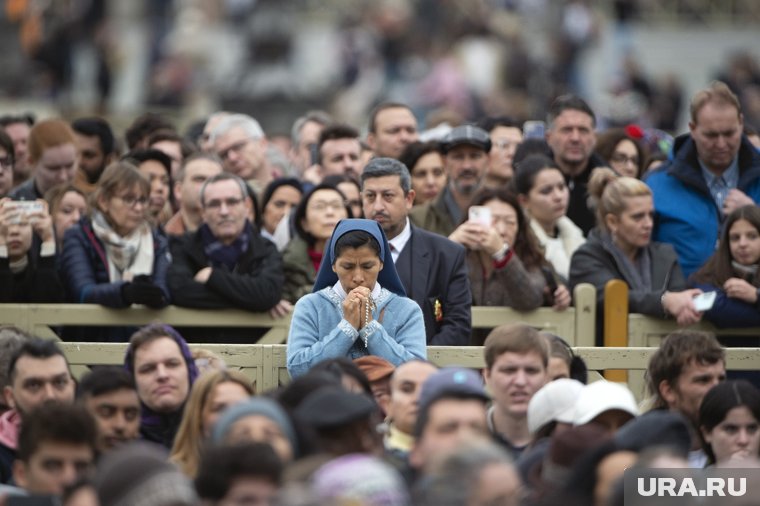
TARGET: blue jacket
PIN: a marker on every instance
(685, 214)
(84, 272)
(318, 331)
(730, 313)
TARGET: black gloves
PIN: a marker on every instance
(143, 291)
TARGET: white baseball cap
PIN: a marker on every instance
(554, 402)
(602, 396)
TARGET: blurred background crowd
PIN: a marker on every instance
(636, 61)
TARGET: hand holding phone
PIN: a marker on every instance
(704, 301)
(480, 214)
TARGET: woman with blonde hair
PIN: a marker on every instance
(621, 247)
(211, 394)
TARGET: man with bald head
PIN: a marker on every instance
(402, 408)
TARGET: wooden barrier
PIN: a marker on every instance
(265, 364)
(616, 322)
(577, 324)
(635, 331)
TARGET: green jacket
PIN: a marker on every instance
(433, 217)
(299, 270)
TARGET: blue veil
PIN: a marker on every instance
(388, 277)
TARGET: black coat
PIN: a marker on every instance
(432, 268)
(255, 284)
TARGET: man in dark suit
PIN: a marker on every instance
(431, 267)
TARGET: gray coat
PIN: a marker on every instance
(594, 263)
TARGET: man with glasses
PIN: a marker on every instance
(226, 262)
(241, 144)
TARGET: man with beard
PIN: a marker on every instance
(110, 396)
(680, 373)
(38, 373)
(465, 151)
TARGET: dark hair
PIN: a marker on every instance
(274, 185)
(143, 126)
(416, 150)
(678, 350)
(139, 156)
(220, 466)
(36, 348)
(336, 179)
(490, 122)
(372, 128)
(529, 147)
(10, 340)
(186, 147)
(527, 170)
(381, 167)
(12, 119)
(526, 245)
(291, 396)
(356, 239)
(719, 268)
(300, 214)
(568, 103)
(560, 348)
(721, 399)
(57, 422)
(96, 127)
(334, 132)
(607, 141)
(342, 366)
(104, 380)
(7, 144)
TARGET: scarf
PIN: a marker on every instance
(638, 274)
(128, 256)
(225, 255)
(746, 272)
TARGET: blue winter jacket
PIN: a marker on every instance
(685, 214)
(84, 272)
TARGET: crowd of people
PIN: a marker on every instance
(175, 427)
(377, 247)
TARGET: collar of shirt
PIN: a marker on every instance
(398, 242)
(338, 288)
(730, 175)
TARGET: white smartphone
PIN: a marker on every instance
(704, 301)
(480, 214)
(28, 206)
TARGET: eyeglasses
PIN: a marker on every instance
(217, 203)
(621, 158)
(235, 148)
(502, 144)
(321, 205)
(131, 200)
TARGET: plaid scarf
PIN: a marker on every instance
(131, 255)
(221, 255)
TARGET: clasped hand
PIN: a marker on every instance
(355, 309)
